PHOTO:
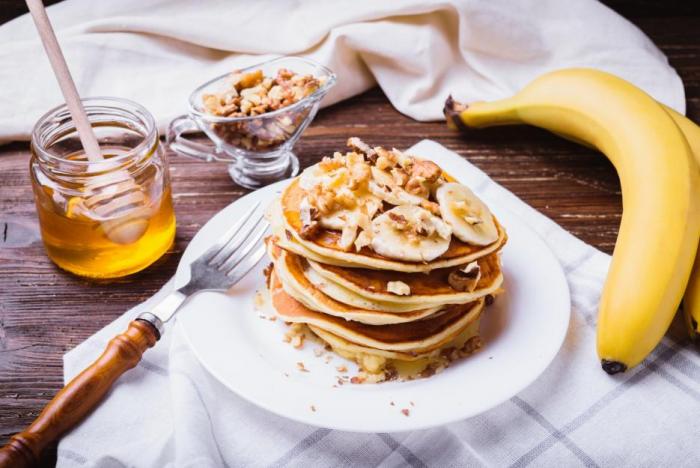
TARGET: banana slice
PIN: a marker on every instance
(410, 233)
(469, 217)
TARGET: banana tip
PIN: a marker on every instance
(451, 111)
(612, 367)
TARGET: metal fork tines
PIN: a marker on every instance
(234, 255)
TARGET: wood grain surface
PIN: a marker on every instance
(45, 312)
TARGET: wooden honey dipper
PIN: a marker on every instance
(116, 195)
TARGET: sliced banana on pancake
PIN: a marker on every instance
(410, 233)
(470, 218)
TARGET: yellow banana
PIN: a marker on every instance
(691, 300)
(660, 182)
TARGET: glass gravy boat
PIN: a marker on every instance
(259, 147)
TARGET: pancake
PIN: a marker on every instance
(326, 243)
(431, 288)
(366, 248)
(415, 337)
(289, 268)
(407, 364)
(351, 298)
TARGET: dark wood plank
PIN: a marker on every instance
(45, 312)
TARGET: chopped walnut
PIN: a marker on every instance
(418, 186)
(472, 344)
(385, 159)
(426, 225)
(323, 201)
(427, 170)
(400, 222)
(309, 219)
(348, 236)
(433, 207)
(400, 176)
(268, 273)
(399, 288)
(465, 279)
(329, 164)
(252, 94)
(359, 175)
(298, 341)
(363, 239)
(361, 147)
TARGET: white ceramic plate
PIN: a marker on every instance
(522, 331)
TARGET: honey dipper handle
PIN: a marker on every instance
(82, 394)
(65, 80)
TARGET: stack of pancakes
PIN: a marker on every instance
(405, 317)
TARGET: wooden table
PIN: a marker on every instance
(45, 312)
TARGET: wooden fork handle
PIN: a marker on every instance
(82, 394)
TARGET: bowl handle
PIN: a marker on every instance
(179, 143)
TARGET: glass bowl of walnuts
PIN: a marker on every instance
(253, 117)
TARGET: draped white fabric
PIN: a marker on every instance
(156, 51)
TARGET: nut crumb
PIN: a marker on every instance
(318, 352)
(259, 300)
(272, 318)
(358, 379)
(298, 341)
(392, 403)
(341, 369)
(405, 412)
(411, 403)
(301, 367)
(313, 408)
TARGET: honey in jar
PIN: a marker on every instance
(108, 218)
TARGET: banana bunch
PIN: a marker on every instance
(656, 153)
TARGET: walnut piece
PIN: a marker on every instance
(309, 220)
(427, 170)
(465, 279)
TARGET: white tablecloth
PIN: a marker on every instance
(169, 411)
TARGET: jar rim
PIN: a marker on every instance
(137, 111)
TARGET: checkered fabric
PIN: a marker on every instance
(169, 412)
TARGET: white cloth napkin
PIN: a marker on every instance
(169, 411)
(156, 52)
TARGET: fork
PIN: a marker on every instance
(224, 264)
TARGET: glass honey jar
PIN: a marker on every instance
(107, 218)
